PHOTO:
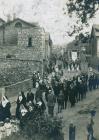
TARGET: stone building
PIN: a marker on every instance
(1, 21)
(24, 48)
(25, 36)
(94, 41)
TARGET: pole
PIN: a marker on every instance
(72, 131)
(42, 68)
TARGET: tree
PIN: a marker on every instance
(84, 38)
(84, 11)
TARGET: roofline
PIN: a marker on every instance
(2, 20)
(30, 24)
(93, 29)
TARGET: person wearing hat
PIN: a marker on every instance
(65, 92)
(72, 94)
(23, 115)
(72, 129)
(30, 96)
(34, 80)
(20, 101)
(90, 83)
(51, 102)
(60, 101)
(6, 105)
(90, 131)
(1, 113)
(56, 88)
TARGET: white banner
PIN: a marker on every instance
(74, 56)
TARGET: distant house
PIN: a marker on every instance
(77, 47)
(73, 47)
(94, 42)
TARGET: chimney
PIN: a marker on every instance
(14, 16)
(8, 18)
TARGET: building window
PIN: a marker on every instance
(30, 42)
(18, 25)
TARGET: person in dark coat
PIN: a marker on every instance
(65, 92)
(75, 89)
(51, 103)
(56, 89)
(81, 89)
(60, 101)
(30, 96)
(90, 83)
(78, 83)
(23, 116)
(1, 113)
(72, 129)
(40, 106)
(34, 80)
(72, 95)
(90, 131)
(84, 88)
(94, 82)
(6, 105)
(20, 101)
(38, 93)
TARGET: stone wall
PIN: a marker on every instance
(15, 70)
(38, 39)
(11, 36)
(24, 53)
(14, 89)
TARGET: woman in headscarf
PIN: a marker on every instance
(30, 96)
(6, 105)
(23, 115)
(1, 113)
(20, 101)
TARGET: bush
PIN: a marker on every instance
(39, 127)
(43, 126)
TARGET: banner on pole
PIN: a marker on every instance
(74, 56)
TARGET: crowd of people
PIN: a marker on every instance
(48, 93)
(63, 62)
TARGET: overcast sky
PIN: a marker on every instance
(49, 14)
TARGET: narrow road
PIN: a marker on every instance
(80, 116)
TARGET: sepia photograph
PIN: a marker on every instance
(49, 69)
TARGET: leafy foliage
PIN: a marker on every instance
(42, 125)
(39, 127)
(84, 10)
(84, 38)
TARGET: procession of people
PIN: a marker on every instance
(49, 93)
